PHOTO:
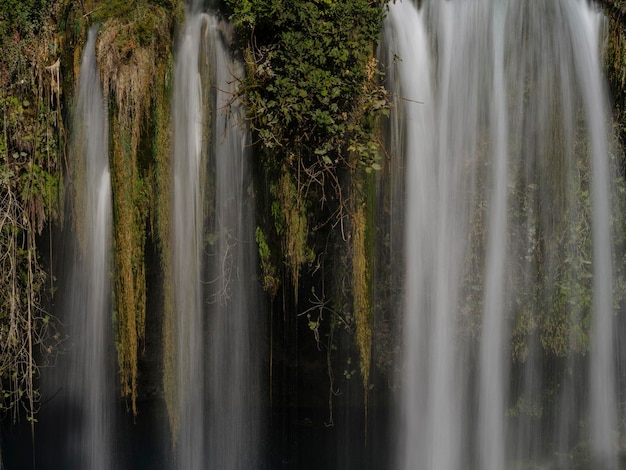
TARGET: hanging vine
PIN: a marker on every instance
(31, 140)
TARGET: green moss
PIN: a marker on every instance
(134, 55)
(290, 218)
(270, 278)
(363, 194)
(362, 291)
(129, 238)
(162, 221)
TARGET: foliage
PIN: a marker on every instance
(289, 212)
(24, 17)
(134, 56)
(361, 279)
(31, 142)
(312, 96)
(616, 71)
(270, 280)
(161, 222)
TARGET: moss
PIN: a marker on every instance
(270, 280)
(362, 294)
(163, 180)
(133, 63)
(129, 238)
(362, 265)
(290, 217)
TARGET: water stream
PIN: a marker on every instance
(508, 345)
(216, 303)
(87, 426)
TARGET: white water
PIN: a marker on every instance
(501, 110)
(235, 326)
(214, 259)
(89, 397)
(188, 231)
(585, 30)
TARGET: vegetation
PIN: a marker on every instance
(362, 260)
(31, 149)
(314, 99)
(162, 175)
(313, 95)
(134, 55)
(41, 38)
(270, 280)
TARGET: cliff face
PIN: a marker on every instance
(315, 108)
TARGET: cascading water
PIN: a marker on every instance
(82, 386)
(234, 315)
(188, 250)
(214, 259)
(510, 286)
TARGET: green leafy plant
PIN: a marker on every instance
(313, 95)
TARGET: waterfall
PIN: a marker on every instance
(234, 313)
(187, 257)
(501, 115)
(90, 326)
(218, 317)
(82, 384)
